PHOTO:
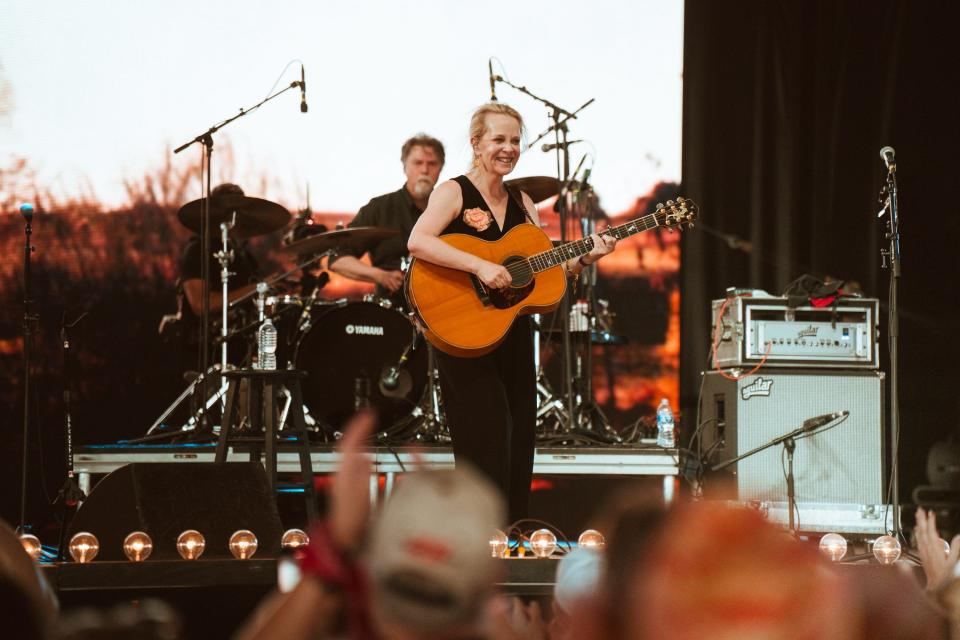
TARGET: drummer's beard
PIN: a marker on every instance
(423, 187)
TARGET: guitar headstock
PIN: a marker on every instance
(677, 215)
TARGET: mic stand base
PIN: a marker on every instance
(70, 496)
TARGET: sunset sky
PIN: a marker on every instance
(95, 92)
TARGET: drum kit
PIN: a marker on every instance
(358, 354)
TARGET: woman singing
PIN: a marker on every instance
(490, 401)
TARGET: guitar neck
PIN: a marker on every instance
(557, 255)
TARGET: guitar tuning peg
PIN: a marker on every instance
(670, 203)
(659, 206)
(681, 199)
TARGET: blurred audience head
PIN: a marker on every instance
(724, 572)
(576, 584)
(429, 559)
(28, 601)
(889, 603)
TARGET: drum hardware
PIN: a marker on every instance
(249, 216)
(428, 423)
(350, 349)
(224, 256)
(352, 240)
(238, 219)
(274, 279)
(539, 188)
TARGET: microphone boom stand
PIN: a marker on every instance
(70, 493)
(890, 259)
(788, 440)
(206, 139)
(29, 320)
(560, 117)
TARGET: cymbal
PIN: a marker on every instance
(255, 216)
(351, 239)
(539, 188)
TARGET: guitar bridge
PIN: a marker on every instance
(480, 290)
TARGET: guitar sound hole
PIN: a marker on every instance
(519, 270)
(520, 287)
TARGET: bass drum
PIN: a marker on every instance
(348, 355)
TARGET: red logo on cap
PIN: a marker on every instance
(431, 550)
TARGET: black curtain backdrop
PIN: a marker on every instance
(786, 106)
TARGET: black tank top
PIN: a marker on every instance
(471, 220)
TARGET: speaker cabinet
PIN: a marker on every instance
(165, 499)
(840, 465)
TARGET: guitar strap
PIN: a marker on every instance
(516, 197)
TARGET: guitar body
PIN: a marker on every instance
(461, 317)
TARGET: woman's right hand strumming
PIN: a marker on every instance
(494, 275)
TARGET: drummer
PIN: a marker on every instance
(422, 157)
(243, 268)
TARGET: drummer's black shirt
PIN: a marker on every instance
(243, 268)
(395, 210)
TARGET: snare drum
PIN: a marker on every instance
(349, 351)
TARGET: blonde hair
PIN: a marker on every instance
(478, 121)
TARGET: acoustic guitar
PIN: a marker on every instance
(461, 316)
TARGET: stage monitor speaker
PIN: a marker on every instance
(843, 464)
(165, 499)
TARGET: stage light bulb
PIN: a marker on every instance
(543, 543)
(294, 539)
(243, 544)
(592, 539)
(499, 544)
(833, 546)
(84, 547)
(190, 544)
(137, 546)
(31, 544)
(886, 549)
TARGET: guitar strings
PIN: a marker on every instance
(524, 269)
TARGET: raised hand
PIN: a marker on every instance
(350, 493)
(937, 565)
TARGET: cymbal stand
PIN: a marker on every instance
(225, 257)
(206, 139)
(199, 418)
(549, 404)
(432, 425)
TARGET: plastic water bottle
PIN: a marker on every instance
(666, 432)
(267, 346)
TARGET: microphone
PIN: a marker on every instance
(887, 155)
(26, 210)
(558, 145)
(812, 424)
(305, 317)
(390, 378)
(303, 90)
(493, 80)
(586, 176)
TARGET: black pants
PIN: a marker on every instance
(491, 408)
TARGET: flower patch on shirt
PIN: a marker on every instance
(477, 218)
